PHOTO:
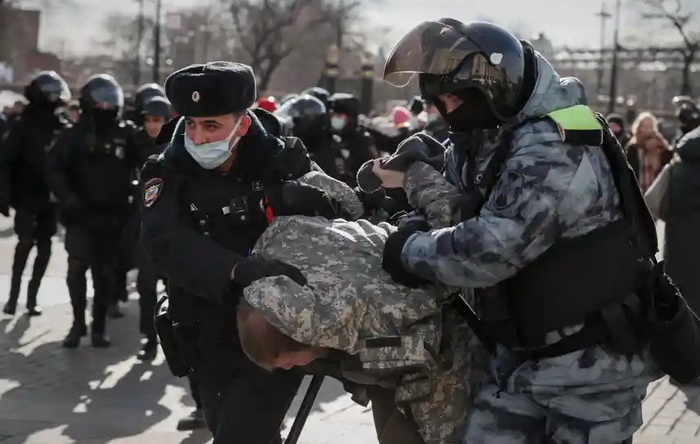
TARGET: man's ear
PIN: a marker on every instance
(245, 125)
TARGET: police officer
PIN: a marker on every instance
(566, 366)
(22, 182)
(156, 113)
(207, 199)
(143, 94)
(310, 122)
(89, 170)
(356, 144)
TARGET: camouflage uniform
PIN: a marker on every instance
(351, 304)
(547, 190)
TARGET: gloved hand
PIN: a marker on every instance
(297, 198)
(391, 259)
(5, 210)
(253, 268)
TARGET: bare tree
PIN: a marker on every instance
(269, 31)
(685, 22)
(124, 39)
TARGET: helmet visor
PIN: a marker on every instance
(430, 48)
(55, 91)
(107, 97)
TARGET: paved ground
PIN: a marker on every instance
(49, 395)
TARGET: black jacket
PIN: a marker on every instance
(197, 224)
(22, 155)
(93, 172)
(682, 235)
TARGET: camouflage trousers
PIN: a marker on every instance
(610, 417)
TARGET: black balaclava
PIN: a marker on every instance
(474, 114)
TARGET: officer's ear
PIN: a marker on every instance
(246, 121)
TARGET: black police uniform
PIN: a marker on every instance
(355, 144)
(309, 121)
(22, 182)
(197, 224)
(89, 170)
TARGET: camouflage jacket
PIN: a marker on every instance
(547, 190)
(402, 336)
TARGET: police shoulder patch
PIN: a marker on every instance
(151, 191)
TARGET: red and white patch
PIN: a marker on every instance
(151, 191)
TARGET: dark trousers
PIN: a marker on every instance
(33, 228)
(147, 285)
(97, 251)
(194, 389)
(248, 406)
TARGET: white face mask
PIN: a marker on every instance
(211, 155)
(337, 123)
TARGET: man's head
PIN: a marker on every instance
(213, 98)
(478, 74)
(267, 346)
(156, 112)
(344, 110)
(616, 123)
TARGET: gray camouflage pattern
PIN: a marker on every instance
(547, 190)
(337, 190)
(427, 189)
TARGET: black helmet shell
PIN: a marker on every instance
(47, 88)
(450, 56)
(102, 91)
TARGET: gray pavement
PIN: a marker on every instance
(49, 395)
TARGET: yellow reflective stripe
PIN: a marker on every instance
(578, 117)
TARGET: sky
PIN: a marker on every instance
(74, 25)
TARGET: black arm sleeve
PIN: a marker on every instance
(10, 148)
(186, 257)
(56, 166)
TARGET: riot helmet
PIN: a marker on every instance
(158, 106)
(479, 62)
(102, 99)
(156, 112)
(320, 93)
(146, 92)
(308, 118)
(47, 89)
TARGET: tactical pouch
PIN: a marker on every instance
(172, 345)
(675, 329)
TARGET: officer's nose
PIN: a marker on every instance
(198, 136)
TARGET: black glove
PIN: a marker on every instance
(391, 260)
(5, 210)
(296, 198)
(253, 268)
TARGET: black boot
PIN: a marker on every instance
(10, 307)
(76, 332)
(100, 340)
(148, 351)
(193, 421)
(32, 290)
